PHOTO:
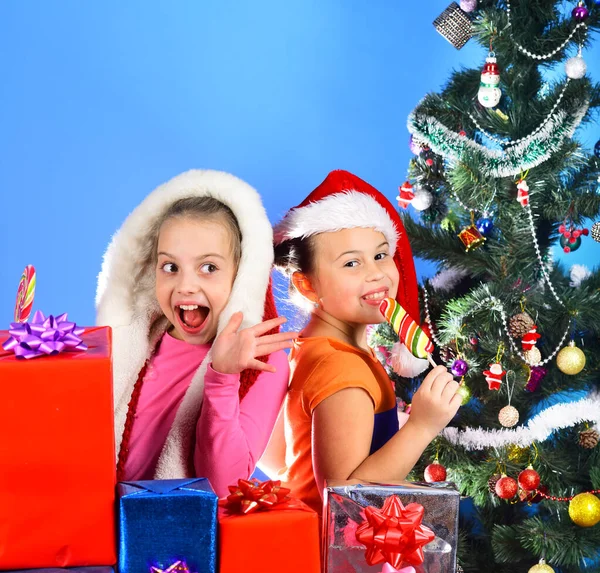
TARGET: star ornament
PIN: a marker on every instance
(394, 534)
(177, 567)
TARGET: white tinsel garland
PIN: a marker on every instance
(429, 131)
(538, 429)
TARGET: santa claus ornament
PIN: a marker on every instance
(489, 93)
(406, 195)
(528, 344)
(523, 192)
(494, 376)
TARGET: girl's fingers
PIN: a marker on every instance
(432, 377)
(262, 327)
(456, 401)
(450, 391)
(441, 382)
(269, 338)
(262, 366)
(234, 323)
(266, 349)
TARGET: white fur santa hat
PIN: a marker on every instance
(344, 201)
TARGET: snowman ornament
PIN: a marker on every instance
(489, 93)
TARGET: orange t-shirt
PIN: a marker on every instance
(320, 367)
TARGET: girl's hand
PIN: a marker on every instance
(234, 351)
(436, 402)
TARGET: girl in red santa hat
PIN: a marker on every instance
(345, 250)
(199, 378)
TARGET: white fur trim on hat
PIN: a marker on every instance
(346, 210)
(127, 302)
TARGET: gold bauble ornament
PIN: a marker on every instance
(584, 510)
(571, 360)
(465, 393)
(541, 567)
(533, 356)
(508, 416)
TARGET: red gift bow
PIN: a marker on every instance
(394, 533)
(250, 496)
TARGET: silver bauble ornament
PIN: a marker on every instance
(422, 199)
(575, 67)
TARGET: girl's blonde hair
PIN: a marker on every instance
(204, 209)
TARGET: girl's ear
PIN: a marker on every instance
(304, 287)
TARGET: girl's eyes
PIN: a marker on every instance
(208, 268)
(354, 263)
(169, 267)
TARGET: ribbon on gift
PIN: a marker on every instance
(44, 336)
(250, 496)
(179, 566)
(394, 534)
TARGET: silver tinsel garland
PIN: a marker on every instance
(428, 130)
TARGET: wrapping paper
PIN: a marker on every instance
(57, 458)
(276, 534)
(163, 521)
(344, 513)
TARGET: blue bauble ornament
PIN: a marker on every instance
(597, 146)
(484, 225)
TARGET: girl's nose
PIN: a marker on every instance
(188, 283)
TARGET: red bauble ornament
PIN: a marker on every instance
(529, 479)
(506, 487)
(435, 472)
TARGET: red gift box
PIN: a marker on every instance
(285, 537)
(57, 457)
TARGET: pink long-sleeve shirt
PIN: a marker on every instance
(230, 436)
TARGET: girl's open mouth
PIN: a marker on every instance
(192, 317)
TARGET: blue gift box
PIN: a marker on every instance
(164, 521)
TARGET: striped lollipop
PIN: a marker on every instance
(406, 328)
(25, 294)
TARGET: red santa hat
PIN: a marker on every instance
(344, 201)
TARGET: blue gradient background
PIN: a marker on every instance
(102, 101)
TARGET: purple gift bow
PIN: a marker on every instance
(44, 336)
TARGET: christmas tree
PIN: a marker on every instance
(500, 180)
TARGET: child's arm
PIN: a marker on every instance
(343, 429)
(231, 437)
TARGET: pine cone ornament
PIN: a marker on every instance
(492, 483)
(589, 438)
(520, 324)
(447, 354)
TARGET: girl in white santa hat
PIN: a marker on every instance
(199, 378)
(345, 250)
